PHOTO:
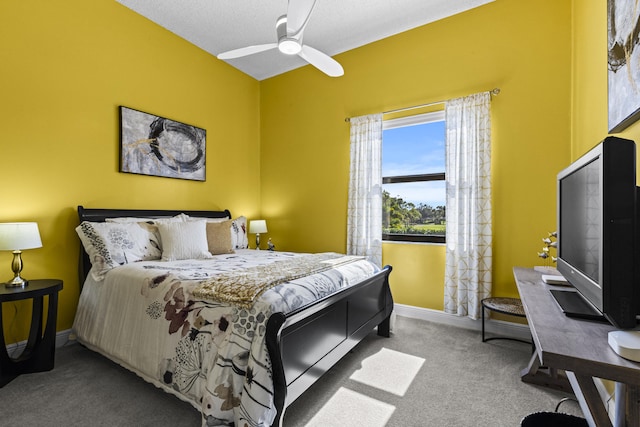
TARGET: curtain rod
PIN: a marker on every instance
(493, 91)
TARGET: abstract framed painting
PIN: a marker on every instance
(157, 146)
(623, 63)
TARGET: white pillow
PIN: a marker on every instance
(112, 244)
(178, 217)
(184, 240)
(123, 219)
(239, 239)
(200, 218)
(182, 217)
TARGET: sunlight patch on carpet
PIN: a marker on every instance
(389, 370)
(346, 407)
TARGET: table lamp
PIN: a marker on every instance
(258, 226)
(16, 236)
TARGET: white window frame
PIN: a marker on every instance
(417, 119)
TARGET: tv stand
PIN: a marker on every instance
(578, 349)
(573, 305)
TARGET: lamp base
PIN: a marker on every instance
(17, 282)
(16, 267)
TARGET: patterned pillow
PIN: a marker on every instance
(239, 239)
(112, 244)
(184, 240)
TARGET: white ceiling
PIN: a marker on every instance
(335, 26)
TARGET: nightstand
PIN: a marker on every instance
(39, 354)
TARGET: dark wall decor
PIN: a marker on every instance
(153, 145)
(623, 22)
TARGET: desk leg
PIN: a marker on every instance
(633, 405)
(536, 374)
(590, 401)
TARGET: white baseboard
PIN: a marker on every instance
(16, 349)
(492, 327)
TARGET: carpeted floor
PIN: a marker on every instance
(426, 374)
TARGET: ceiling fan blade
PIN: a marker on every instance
(321, 61)
(249, 50)
(298, 13)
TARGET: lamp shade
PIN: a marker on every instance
(15, 236)
(258, 226)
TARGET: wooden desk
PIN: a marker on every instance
(578, 347)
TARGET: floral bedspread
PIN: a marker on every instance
(144, 316)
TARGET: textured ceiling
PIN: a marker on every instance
(335, 26)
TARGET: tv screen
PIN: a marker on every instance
(580, 219)
(597, 238)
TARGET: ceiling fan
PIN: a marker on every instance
(289, 30)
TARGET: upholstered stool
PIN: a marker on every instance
(510, 306)
(553, 419)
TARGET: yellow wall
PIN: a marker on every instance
(521, 47)
(589, 79)
(65, 70)
(277, 148)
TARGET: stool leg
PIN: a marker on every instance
(483, 314)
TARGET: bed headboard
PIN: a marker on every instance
(100, 215)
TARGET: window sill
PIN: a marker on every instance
(400, 242)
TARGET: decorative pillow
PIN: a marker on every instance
(219, 237)
(184, 240)
(239, 239)
(112, 244)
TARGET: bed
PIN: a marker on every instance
(239, 354)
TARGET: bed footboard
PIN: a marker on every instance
(303, 345)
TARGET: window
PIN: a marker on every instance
(413, 178)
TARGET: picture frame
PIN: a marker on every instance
(157, 146)
(623, 64)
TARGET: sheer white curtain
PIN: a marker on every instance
(468, 170)
(364, 213)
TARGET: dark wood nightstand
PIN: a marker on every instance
(39, 354)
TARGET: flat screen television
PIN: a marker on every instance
(597, 234)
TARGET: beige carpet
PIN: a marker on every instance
(424, 375)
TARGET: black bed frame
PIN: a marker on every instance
(306, 343)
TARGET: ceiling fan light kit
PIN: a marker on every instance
(289, 46)
(289, 29)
